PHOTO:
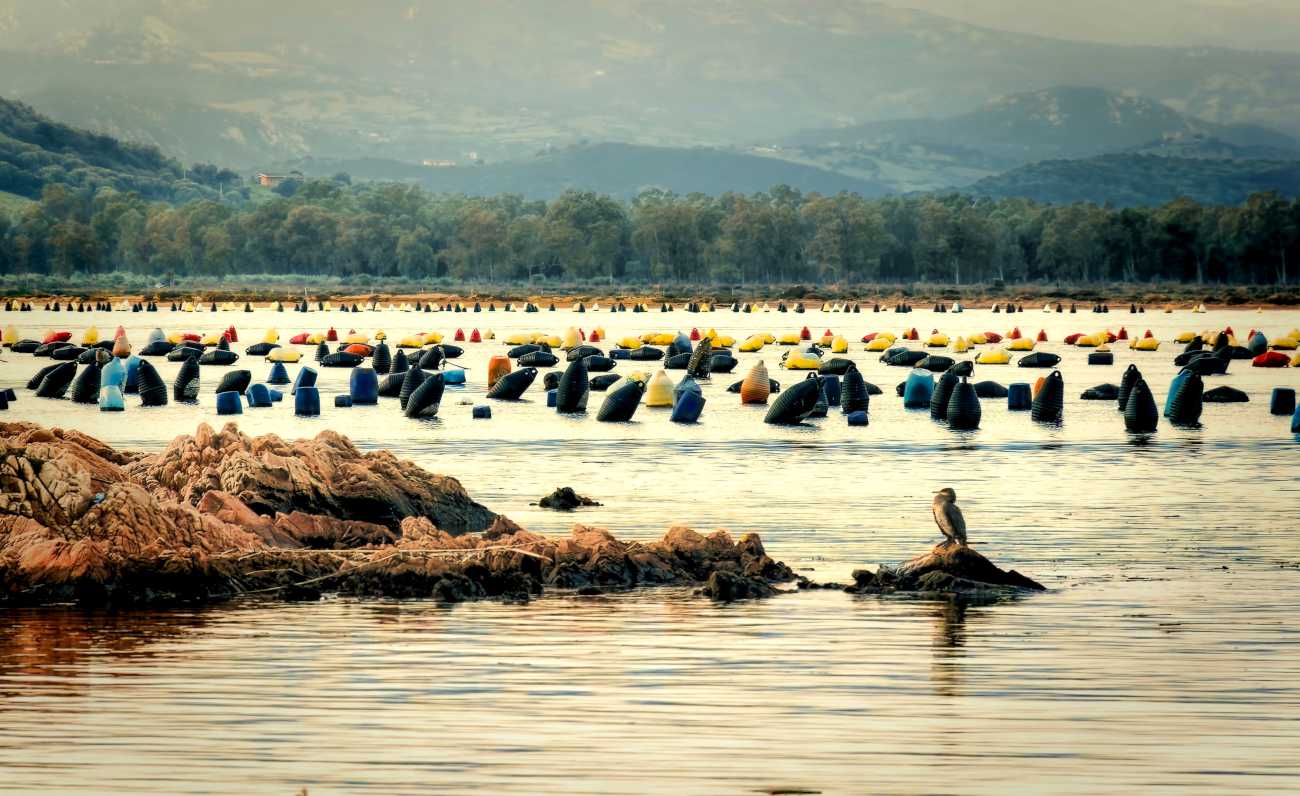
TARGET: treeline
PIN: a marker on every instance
(331, 227)
(36, 152)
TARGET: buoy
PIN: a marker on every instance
(756, 386)
(511, 386)
(85, 387)
(228, 403)
(1039, 359)
(152, 389)
(1050, 400)
(1130, 377)
(963, 412)
(1271, 359)
(110, 399)
(113, 372)
(235, 381)
(306, 400)
(216, 356)
(258, 396)
(795, 404)
(426, 399)
(1140, 414)
(1185, 402)
(186, 386)
(412, 380)
(688, 403)
(854, 396)
(453, 376)
(363, 386)
(1282, 401)
(918, 389)
(573, 389)
(941, 394)
(621, 403)
(659, 391)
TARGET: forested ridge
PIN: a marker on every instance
(127, 208)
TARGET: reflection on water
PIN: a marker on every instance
(1163, 659)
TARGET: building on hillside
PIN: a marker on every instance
(272, 180)
(440, 164)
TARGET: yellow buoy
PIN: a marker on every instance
(752, 344)
(571, 338)
(90, 336)
(1021, 344)
(10, 335)
(839, 345)
(630, 343)
(937, 340)
(993, 358)
(960, 346)
(283, 355)
(1185, 337)
(879, 344)
(659, 392)
(518, 338)
(788, 339)
(271, 336)
(802, 361)
(355, 338)
(1144, 344)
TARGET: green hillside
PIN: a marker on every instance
(36, 152)
(1128, 180)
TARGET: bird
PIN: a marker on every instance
(948, 517)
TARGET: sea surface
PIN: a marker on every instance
(1165, 657)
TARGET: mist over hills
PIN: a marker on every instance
(622, 94)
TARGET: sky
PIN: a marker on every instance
(1242, 24)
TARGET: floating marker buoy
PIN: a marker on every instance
(306, 400)
(1282, 401)
(1050, 400)
(574, 386)
(258, 396)
(152, 389)
(427, 398)
(110, 399)
(228, 403)
(795, 404)
(1130, 377)
(1140, 414)
(1019, 397)
(1186, 399)
(363, 386)
(918, 389)
(186, 386)
(963, 412)
(512, 385)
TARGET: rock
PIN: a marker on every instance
(202, 522)
(948, 568)
(565, 499)
(326, 475)
(727, 586)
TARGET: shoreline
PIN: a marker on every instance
(1154, 298)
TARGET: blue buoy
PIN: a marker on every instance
(228, 403)
(1295, 422)
(453, 376)
(113, 373)
(831, 386)
(111, 399)
(550, 399)
(482, 413)
(258, 396)
(276, 395)
(687, 407)
(1174, 387)
(619, 353)
(856, 418)
(1283, 401)
(132, 375)
(278, 374)
(306, 401)
(918, 389)
(343, 401)
(363, 387)
(306, 378)
(1020, 397)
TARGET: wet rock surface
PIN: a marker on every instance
(221, 515)
(948, 569)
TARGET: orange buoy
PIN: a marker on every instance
(1042, 335)
(498, 366)
(756, 386)
(121, 347)
(360, 349)
(1014, 334)
(1038, 385)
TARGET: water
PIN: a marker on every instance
(1164, 658)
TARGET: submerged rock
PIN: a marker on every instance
(565, 499)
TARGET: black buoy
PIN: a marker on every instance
(795, 404)
(427, 398)
(621, 404)
(963, 413)
(85, 389)
(573, 389)
(414, 377)
(512, 386)
(186, 386)
(942, 393)
(1131, 376)
(1050, 401)
(1187, 400)
(152, 389)
(235, 381)
(1140, 413)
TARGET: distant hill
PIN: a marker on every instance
(35, 152)
(503, 77)
(1208, 147)
(1065, 121)
(1129, 179)
(621, 170)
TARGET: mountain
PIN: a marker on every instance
(1064, 121)
(1131, 179)
(1204, 146)
(621, 170)
(36, 152)
(416, 79)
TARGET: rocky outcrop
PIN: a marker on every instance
(326, 476)
(565, 499)
(216, 516)
(947, 569)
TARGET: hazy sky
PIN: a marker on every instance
(1245, 24)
